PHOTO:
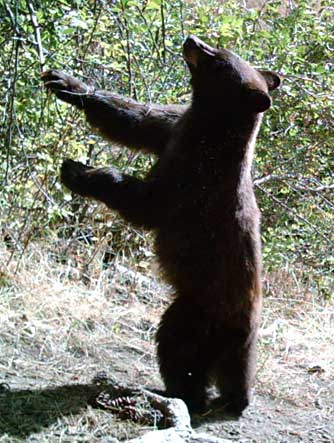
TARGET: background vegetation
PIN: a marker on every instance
(134, 47)
(76, 294)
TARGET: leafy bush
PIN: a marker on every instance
(134, 47)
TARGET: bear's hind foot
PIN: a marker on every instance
(230, 405)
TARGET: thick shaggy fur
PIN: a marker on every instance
(199, 199)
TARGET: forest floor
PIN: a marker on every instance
(59, 326)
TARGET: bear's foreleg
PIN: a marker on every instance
(123, 120)
(136, 200)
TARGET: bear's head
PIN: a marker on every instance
(224, 80)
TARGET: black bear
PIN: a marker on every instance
(200, 202)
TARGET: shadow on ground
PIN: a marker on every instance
(29, 411)
(23, 412)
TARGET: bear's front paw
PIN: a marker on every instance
(74, 176)
(65, 86)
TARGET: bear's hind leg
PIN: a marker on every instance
(235, 371)
(183, 354)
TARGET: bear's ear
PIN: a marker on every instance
(272, 79)
(258, 100)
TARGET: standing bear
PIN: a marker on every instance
(199, 200)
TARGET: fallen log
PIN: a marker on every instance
(143, 406)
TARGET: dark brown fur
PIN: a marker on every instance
(199, 199)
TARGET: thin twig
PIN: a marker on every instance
(11, 108)
(163, 30)
(37, 34)
(181, 19)
(128, 50)
(90, 38)
(12, 19)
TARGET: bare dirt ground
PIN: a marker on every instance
(58, 329)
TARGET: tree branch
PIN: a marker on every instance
(37, 34)
(174, 412)
(286, 177)
(273, 177)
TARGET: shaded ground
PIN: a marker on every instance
(57, 332)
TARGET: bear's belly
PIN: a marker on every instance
(213, 261)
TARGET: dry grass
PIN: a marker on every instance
(297, 343)
(57, 331)
(61, 323)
